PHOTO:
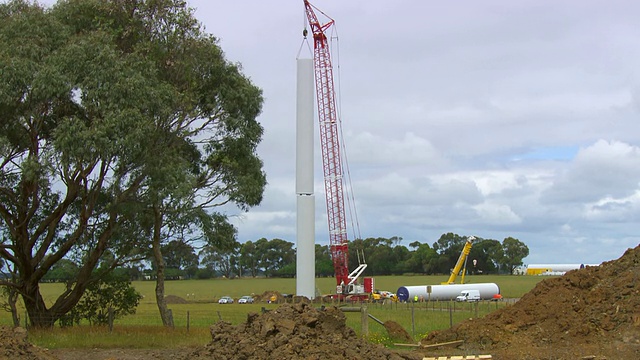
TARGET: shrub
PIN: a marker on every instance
(111, 292)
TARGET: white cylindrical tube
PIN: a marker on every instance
(304, 127)
(445, 292)
(305, 223)
(306, 247)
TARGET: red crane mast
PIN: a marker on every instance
(330, 145)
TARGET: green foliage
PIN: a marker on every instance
(174, 274)
(513, 252)
(179, 255)
(222, 260)
(274, 254)
(484, 257)
(249, 259)
(135, 111)
(112, 293)
(449, 246)
(383, 256)
(204, 273)
(63, 271)
(287, 271)
(324, 265)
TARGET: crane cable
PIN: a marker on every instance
(349, 196)
(305, 32)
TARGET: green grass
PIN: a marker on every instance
(192, 320)
(126, 337)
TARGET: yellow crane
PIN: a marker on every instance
(461, 264)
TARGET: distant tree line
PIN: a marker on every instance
(277, 258)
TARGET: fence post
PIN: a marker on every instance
(110, 319)
(170, 313)
(450, 315)
(188, 320)
(413, 320)
(364, 320)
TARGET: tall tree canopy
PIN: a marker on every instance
(122, 125)
(513, 252)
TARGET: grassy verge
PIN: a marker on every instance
(122, 337)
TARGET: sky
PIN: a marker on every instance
(488, 118)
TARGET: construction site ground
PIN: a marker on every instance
(592, 313)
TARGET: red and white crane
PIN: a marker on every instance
(332, 164)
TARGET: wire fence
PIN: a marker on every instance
(416, 316)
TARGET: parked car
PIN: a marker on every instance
(245, 300)
(225, 300)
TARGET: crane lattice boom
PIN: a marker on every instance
(330, 145)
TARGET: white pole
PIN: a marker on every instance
(305, 233)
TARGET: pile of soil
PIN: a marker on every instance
(268, 295)
(293, 331)
(173, 299)
(397, 333)
(591, 313)
(14, 345)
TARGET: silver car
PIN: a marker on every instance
(245, 300)
(225, 300)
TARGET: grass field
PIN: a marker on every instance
(144, 330)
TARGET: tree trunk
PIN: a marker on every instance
(165, 314)
(39, 315)
(12, 299)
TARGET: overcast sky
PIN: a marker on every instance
(487, 118)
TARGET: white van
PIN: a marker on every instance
(469, 295)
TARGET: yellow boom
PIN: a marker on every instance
(462, 260)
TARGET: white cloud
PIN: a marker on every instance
(497, 214)
(608, 209)
(438, 99)
(369, 149)
(603, 169)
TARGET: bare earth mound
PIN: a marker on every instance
(592, 313)
(173, 299)
(293, 331)
(397, 333)
(14, 345)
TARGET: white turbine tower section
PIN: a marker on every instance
(305, 233)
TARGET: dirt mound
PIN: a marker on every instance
(270, 296)
(14, 345)
(173, 299)
(293, 331)
(587, 313)
(397, 333)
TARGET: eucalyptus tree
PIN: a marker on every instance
(324, 265)
(180, 255)
(273, 255)
(222, 259)
(449, 246)
(513, 252)
(122, 127)
(249, 259)
(484, 257)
